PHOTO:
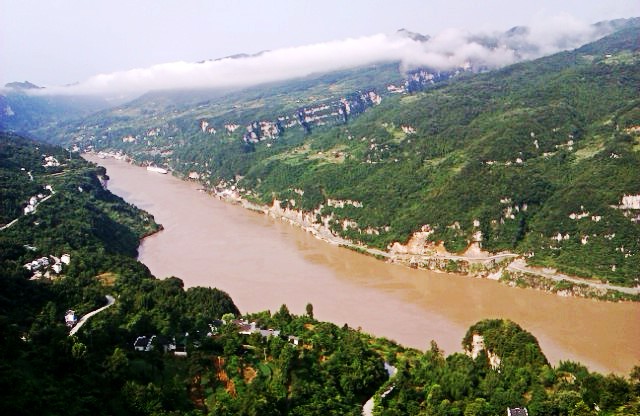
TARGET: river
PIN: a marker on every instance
(262, 263)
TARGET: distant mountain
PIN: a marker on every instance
(519, 39)
(413, 35)
(35, 109)
(24, 108)
(26, 85)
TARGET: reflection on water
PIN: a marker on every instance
(263, 263)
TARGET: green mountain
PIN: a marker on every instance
(502, 367)
(539, 158)
(158, 349)
(25, 107)
(76, 246)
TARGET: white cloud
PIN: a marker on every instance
(554, 33)
(448, 49)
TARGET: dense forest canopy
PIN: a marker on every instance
(159, 349)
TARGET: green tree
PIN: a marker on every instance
(479, 407)
(117, 363)
(78, 350)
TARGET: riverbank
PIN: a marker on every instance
(508, 268)
(419, 253)
(264, 262)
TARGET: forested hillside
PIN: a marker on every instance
(540, 158)
(159, 349)
(23, 109)
(502, 367)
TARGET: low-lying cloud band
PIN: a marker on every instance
(447, 50)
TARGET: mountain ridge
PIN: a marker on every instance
(26, 85)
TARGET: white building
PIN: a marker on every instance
(70, 318)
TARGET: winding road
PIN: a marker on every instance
(517, 265)
(520, 265)
(110, 301)
(9, 224)
(32, 212)
(367, 408)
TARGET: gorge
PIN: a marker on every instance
(263, 263)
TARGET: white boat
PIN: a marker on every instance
(157, 170)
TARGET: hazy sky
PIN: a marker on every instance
(56, 42)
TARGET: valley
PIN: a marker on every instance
(353, 220)
(208, 242)
(518, 160)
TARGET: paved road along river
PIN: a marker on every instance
(263, 263)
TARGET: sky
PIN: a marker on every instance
(127, 44)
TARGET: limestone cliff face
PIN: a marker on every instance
(477, 345)
(307, 220)
(419, 244)
(630, 202)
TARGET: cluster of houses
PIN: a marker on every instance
(106, 155)
(35, 200)
(50, 161)
(631, 207)
(169, 345)
(43, 266)
(248, 328)
(147, 344)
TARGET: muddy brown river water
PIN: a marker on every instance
(263, 263)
